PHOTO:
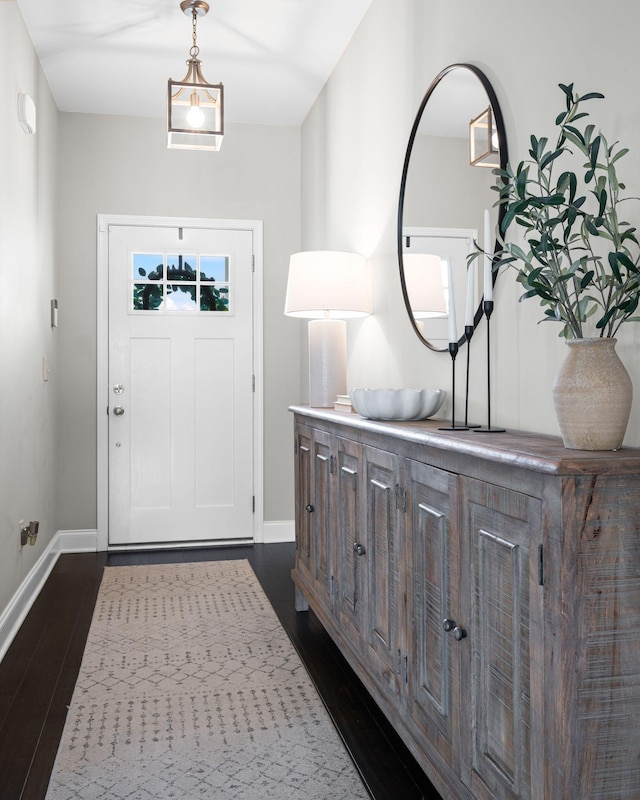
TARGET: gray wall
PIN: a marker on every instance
(120, 165)
(27, 284)
(353, 145)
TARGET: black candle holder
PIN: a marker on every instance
(468, 333)
(453, 352)
(487, 307)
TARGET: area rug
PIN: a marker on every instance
(190, 688)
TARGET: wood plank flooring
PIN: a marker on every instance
(39, 671)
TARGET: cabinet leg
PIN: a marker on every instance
(301, 601)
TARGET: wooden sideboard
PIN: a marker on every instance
(486, 590)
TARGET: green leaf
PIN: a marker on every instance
(544, 163)
(551, 200)
(579, 116)
(588, 133)
(613, 263)
(142, 272)
(602, 202)
(591, 227)
(591, 96)
(624, 259)
(534, 146)
(583, 308)
(631, 304)
(603, 321)
(517, 252)
(575, 133)
(586, 280)
(542, 291)
(619, 154)
(508, 219)
(568, 90)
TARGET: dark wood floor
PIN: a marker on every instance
(39, 671)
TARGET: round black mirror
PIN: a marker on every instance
(447, 199)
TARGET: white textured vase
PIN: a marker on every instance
(592, 395)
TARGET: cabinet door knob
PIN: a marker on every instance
(448, 625)
(358, 549)
(459, 633)
(309, 507)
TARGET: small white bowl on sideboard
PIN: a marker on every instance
(400, 404)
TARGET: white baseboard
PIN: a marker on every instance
(279, 531)
(77, 541)
(13, 615)
(20, 604)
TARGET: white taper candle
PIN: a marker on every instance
(471, 294)
(486, 246)
(453, 336)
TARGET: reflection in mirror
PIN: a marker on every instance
(457, 138)
(425, 279)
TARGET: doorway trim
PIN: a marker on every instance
(102, 387)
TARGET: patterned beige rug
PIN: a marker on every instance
(190, 688)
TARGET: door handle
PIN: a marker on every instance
(118, 411)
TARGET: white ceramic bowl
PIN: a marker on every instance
(396, 403)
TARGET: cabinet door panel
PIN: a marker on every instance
(381, 520)
(322, 541)
(499, 572)
(303, 480)
(350, 532)
(433, 570)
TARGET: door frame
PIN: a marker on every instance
(102, 388)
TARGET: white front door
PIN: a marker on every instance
(181, 385)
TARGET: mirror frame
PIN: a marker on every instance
(504, 158)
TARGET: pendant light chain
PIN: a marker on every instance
(194, 23)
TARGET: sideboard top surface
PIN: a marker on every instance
(535, 451)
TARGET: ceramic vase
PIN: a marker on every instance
(592, 396)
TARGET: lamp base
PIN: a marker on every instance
(327, 361)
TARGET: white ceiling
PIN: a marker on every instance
(115, 56)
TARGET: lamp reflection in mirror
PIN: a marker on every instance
(195, 108)
(425, 287)
(327, 287)
(483, 141)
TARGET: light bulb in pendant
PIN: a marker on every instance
(195, 116)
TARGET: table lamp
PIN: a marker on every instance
(327, 287)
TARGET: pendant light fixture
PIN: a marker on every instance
(483, 141)
(195, 108)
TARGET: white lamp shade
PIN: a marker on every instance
(327, 284)
(424, 284)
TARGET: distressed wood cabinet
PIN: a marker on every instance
(487, 592)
